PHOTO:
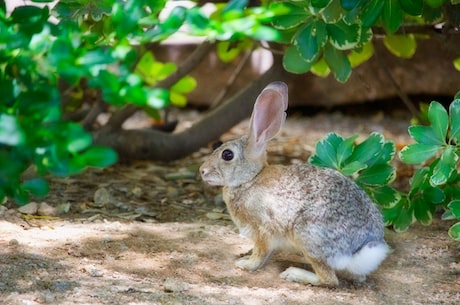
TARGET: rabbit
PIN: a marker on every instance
(314, 211)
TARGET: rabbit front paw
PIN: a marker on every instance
(250, 263)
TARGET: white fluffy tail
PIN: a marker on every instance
(368, 258)
(363, 262)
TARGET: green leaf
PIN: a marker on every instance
(177, 99)
(439, 119)
(185, 85)
(235, 6)
(350, 4)
(371, 12)
(345, 149)
(320, 68)
(310, 39)
(369, 149)
(99, 156)
(392, 15)
(412, 7)
(11, 132)
(434, 195)
(385, 196)
(418, 153)
(344, 36)
(403, 46)
(352, 168)
(78, 139)
(435, 3)
(326, 153)
(404, 219)
(95, 57)
(332, 13)
(445, 167)
(294, 62)
(377, 175)
(357, 57)
(457, 63)
(454, 112)
(454, 231)
(425, 135)
(454, 207)
(338, 63)
(423, 211)
(37, 186)
(157, 98)
(288, 15)
(226, 51)
(418, 181)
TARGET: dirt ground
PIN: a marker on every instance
(153, 233)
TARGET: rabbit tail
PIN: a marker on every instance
(364, 261)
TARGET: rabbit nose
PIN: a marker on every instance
(204, 171)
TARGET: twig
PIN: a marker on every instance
(231, 79)
(402, 95)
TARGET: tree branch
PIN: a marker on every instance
(154, 145)
(119, 117)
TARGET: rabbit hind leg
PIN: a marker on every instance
(323, 276)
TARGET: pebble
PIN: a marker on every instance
(29, 209)
(13, 242)
(48, 297)
(137, 192)
(174, 285)
(102, 197)
(46, 210)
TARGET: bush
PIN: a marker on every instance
(435, 183)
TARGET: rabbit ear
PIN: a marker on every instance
(267, 117)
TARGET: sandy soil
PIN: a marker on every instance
(163, 237)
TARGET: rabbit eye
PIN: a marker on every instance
(227, 155)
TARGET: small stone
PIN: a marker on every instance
(137, 192)
(13, 243)
(94, 272)
(46, 210)
(63, 208)
(174, 285)
(48, 297)
(29, 209)
(102, 197)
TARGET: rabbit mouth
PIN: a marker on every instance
(212, 181)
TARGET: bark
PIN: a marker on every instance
(155, 145)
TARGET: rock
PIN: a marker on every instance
(102, 197)
(13, 243)
(29, 209)
(48, 297)
(174, 285)
(46, 210)
(137, 192)
(63, 208)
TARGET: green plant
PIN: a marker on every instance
(32, 130)
(368, 163)
(435, 183)
(335, 35)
